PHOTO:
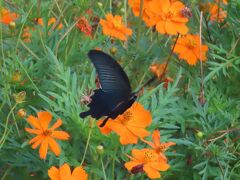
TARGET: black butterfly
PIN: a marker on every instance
(115, 95)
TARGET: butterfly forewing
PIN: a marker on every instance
(111, 75)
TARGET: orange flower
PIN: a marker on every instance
(130, 125)
(64, 173)
(172, 20)
(167, 15)
(146, 160)
(7, 17)
(159, 147)
(158, 69)
(84, 26)
(114, 27)
(188, 48)
(45, 136)
(216, 13)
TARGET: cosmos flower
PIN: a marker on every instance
(7, 16)
(171, 20)
(130, 125)
(64, 173)
(159, 147)
(114, 27)
(45, 137)
(169, 17)
(146, 160)
(188, 49)
(216, 13)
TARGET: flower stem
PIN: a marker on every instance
(87, 144)
(6, 124)
(139, 23)
(104, 173)
(113, 167)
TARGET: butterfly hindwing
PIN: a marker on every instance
(111, 75)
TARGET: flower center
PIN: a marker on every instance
(126, 117)
(191, 44)
(47, 132)
(117, 23)
(148, 156)
(161, 148)
(169, 15)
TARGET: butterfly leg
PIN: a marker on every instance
(104, 122)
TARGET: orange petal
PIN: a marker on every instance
(44, 118)
(57, 124)
(149, 143)
(37, 143)
(156, 137)
(79, 173)
(60, 135)
(129, 165)
(138, 154)
(33, 131)
(139, 132)
(160, 166)
(43, 149)
(54, 146)
(160, 26)
(36, 138)
(104, 130)
(53, 173)
(65, 172)
(151, 173)
(34, 122)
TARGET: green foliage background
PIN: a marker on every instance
(57, 73)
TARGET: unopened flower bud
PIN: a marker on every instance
(12, 25)
(17, 76)
(113, 50)
(200, 134)
(100, 149)
(100, 4)
(21, 113)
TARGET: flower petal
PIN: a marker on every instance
(60, 135)
(151, 173)
(43, 149)
(44, 118)
(34, 122)
(54, 146)
(33, 131)
(57, 124)
(79, 173)
(53, 173)
(65, 172)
